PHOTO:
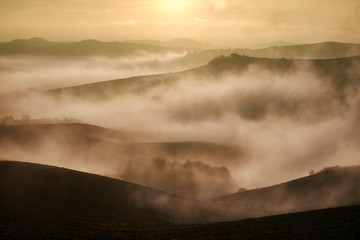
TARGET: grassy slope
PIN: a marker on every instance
(330, 187)
(107, 89)
(39, 201)
(57, 196)
(336, 71)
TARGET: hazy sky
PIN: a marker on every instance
(221, 22)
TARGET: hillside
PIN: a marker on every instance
(336, 72)
(332, 223)
(324, 50)
(107, 89)
(331, 187)
(66, 204)
(54, 199)
(311, 51)
(89, 136)
(133, 156)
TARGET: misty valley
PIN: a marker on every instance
(179, 140)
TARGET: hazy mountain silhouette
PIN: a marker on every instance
(41, 47)
(310, 51)
(38, 46)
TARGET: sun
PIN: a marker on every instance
(174, 5)
(175, 2)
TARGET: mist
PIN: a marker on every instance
(46, 72)
(278, 125)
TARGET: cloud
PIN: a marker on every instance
(48, 73)
(284, 123)
(190, 179)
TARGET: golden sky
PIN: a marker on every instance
(221, 22)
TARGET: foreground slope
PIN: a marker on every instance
(39, 201)
(331, 187)
(53, 197)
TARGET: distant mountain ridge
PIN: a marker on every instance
(198, 52)
(42, 47)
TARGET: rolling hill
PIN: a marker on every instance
(54, 199)
(331, 187)
(133, 156)
(79, 134)
(336, 72)
(39, 201)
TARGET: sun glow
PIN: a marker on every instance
(174, 5)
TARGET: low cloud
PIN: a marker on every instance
(49, 72)
(284, 123)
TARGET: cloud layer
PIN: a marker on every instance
(284, 123)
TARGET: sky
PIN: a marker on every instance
(220, 22)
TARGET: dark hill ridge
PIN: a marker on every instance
(39, 201)
(42, 193)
